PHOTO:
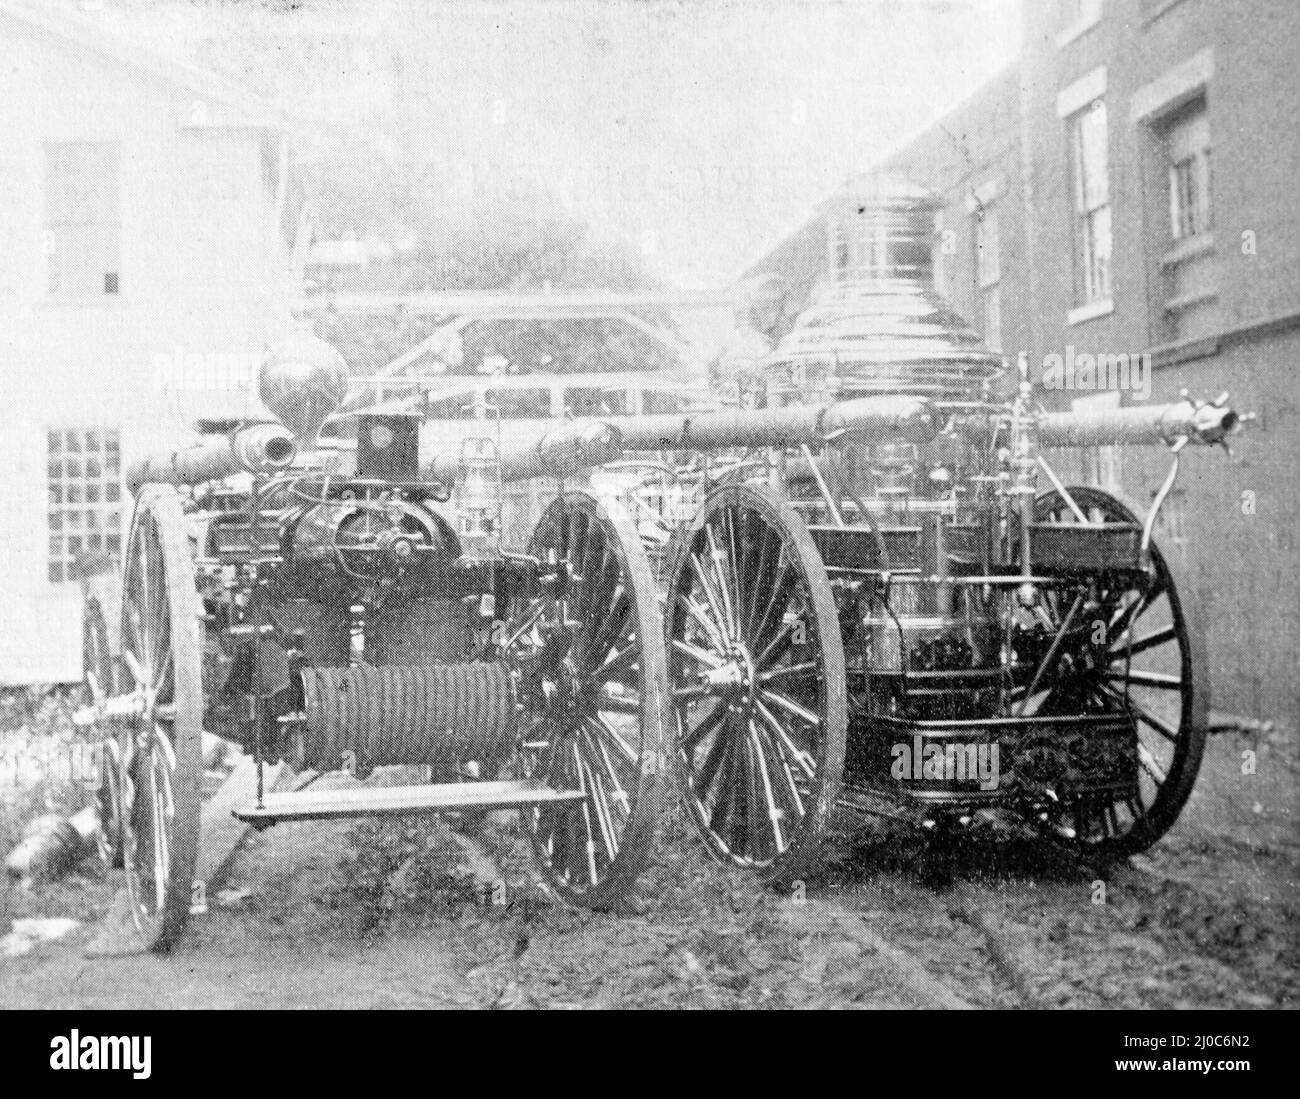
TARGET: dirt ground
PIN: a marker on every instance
(415, 914)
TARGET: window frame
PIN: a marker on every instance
(1191, 215)
(1093, 285)
(61, 219)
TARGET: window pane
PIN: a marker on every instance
(595, 402)
(1098, 244)
(1092, 189)
(84, 497)
(516, 404)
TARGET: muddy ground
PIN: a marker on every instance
(418, 914)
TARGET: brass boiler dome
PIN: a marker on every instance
(879, 325)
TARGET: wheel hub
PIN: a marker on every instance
(735, 680)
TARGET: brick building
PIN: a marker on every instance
(1127, 187)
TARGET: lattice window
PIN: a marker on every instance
(85, 497)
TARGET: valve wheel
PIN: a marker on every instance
(160, 749)
(594, 688)
(756, 670)
(1151, 666)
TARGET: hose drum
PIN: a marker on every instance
(443, 716)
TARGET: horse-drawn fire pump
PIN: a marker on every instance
(912, 616)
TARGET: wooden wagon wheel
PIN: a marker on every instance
(100, 682)
(594, 690)
(756, 670)
(1152, 666)
(161, 746)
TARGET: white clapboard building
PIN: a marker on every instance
(145, 256)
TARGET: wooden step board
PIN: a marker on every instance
(399, 801)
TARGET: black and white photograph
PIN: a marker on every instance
(658, 504)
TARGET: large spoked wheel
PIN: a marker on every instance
(100, 682)
(160, 746)
(756, 670)
(595, 694)
(1150, 666)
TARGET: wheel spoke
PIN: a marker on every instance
(1152, 640)
(724, 803)
(774, 611)
(1160, 726)
(706, 623)
(713, 759)
(774, 814)
(762, 576)
(803, 668)
(618, 704)
(697, 654)
(606, 729)
(753, 836)
(1149, 764)
(611, 630)
(790, 706)
(716, 558)
(1156, 680)
(804, 759)
(707, 724)
(706, 586)
(623, 660)
(792, 787)
(604, 822)
(607, 766)
(775, 649)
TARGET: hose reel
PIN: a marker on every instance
(445, 716)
